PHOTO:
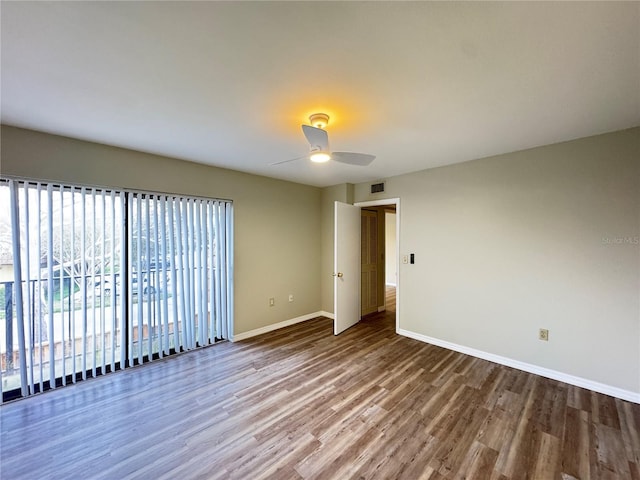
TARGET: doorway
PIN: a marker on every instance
(385, 281)
(347, 264)
(371, 261)
(378, 274)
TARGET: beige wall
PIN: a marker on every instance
(390, 248)
(277, 246)
(381, 255)
(542, 238)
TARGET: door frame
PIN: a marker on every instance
(378, 203)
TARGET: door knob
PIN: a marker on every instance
(339, 275)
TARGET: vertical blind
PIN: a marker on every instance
(95, 280)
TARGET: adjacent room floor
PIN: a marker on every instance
(302, 403)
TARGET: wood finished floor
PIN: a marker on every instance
(300, 403)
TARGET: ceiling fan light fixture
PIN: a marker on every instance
(319, 120)
(319, 157)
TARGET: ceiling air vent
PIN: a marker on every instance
(377, 187)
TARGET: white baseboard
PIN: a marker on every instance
(390, 284)
(276, 326)
(528, 367)
(381, 309)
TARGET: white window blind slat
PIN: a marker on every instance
(159, 291)
(139, 337)
(101, 289)
(228, 325)
(49, 291)
(17, 288)
(204, 247)
(201, 286)
(211, 272)
(181, 313)
(223, 256)
(113, 297)
(144, 278)
(166, 266)
(83, 277)
(188, 246)
(127, 280)
(93, 283)
(30, 341)
(72, 284)
(122, 285)
(37, 293)
(174, 277)
(60, 276)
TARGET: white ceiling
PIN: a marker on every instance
(418, 84)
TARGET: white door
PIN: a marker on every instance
(346, 268)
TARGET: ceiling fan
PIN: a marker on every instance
(319, 144)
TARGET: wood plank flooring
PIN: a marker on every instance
(300, 403)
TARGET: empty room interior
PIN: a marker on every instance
(320, 240)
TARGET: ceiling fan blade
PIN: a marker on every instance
(290, 160)
(316, 137)
(350, 158)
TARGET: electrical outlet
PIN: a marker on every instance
(543, 334)
(272, 302)
(405, 259)
(290, 297)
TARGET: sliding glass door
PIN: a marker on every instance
(179, 273)
(95, 280)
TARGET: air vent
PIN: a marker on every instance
(377, 188)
